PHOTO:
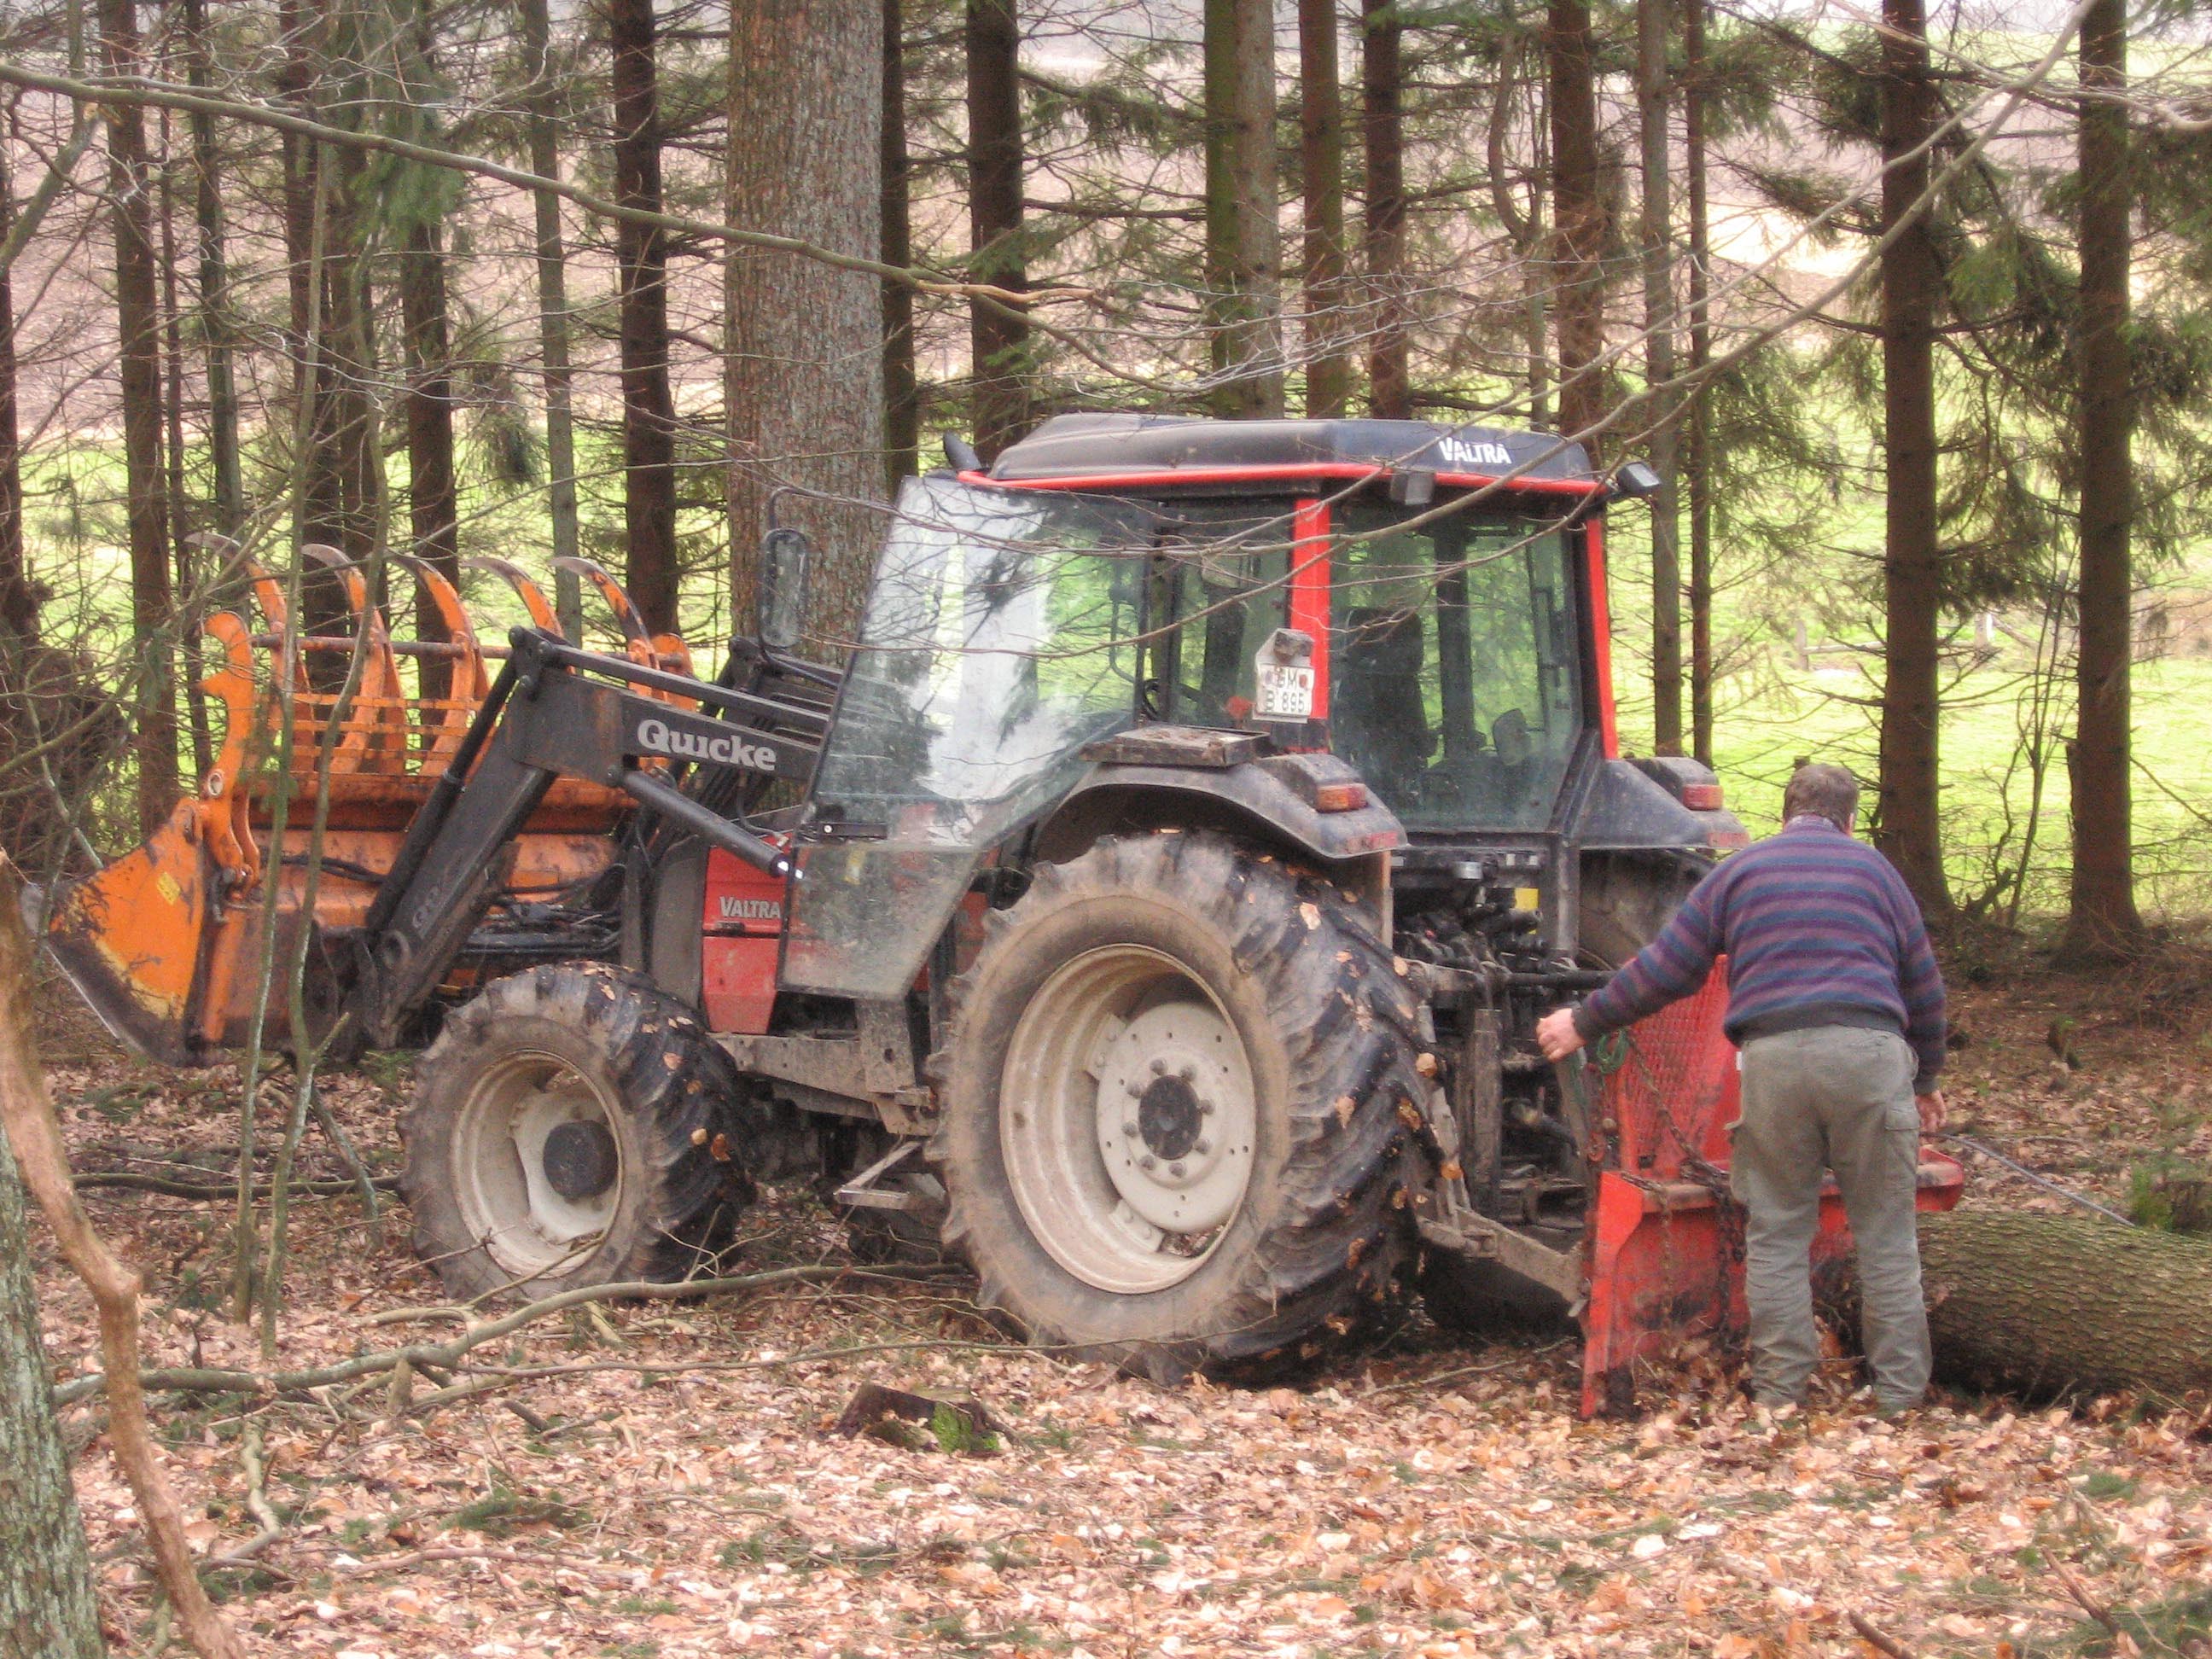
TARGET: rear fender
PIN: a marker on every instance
(1266, 800)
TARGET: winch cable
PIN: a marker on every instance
(2026, 1173)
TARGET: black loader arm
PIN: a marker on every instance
(556, 711)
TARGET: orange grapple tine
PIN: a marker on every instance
(269, 592)
(380, 698)
(618, 601)
(222, 789)
(466, 686)
(542, 615)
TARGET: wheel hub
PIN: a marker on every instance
(1168, 1117)
(536, 1164)
(580, 1160)
(1174, 1117)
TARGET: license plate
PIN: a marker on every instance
(1286, 692)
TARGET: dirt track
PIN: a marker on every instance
(1425, 1498)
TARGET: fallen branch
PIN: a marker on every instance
(130, 1181)
(1512, 1363)
(447, 1356)
(1873, 1635)
(257, 1500)
(27, 1111)
(509, 1558)
(2088, 1603)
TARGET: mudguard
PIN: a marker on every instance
(1190, 778)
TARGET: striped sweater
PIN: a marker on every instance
(1817, 930)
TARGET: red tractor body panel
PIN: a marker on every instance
(742, 942)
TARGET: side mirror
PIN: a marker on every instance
(784, 555)
(1638, 480)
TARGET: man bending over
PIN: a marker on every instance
(1835, 1000)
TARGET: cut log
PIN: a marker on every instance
(2046, 1304)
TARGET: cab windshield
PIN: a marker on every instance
(1453, 661)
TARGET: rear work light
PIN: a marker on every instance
(1701, 797)
(1340, 796)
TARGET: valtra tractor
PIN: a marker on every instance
(1155, 911)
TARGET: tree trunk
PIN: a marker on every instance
(902, 385)
(19, 603)
(1653, 97)
(349, 344)
(1243, 243)
(47, 1610)
(317, 512)
(2052, 1304)
(1910, 832)
(229, 497)
(1321, 164)
(998, 338)
(543, 105)
(1697, 434)
(641, 280)
(1523, 222)
(2102, 921)
(805, 383)
(175, 497)
(433, 513)
(334, 497)
(1382, 233)
(1578, 220)
(138, 329)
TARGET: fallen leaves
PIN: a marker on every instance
(1426, 1501)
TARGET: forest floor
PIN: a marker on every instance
(673, 1486)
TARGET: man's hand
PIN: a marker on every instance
(1930, 1104)
(1556, 1035)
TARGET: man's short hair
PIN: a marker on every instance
(1821, 790)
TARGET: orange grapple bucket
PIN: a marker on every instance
(167, 943)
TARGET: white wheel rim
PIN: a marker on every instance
(1127, 1120)
(508, 1200)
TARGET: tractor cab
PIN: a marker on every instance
(1444, 580)
(1426, 606)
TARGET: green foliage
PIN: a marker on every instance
(955, 1431)
(2171, 1193)
(503, 1511)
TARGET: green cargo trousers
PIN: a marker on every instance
(1840, 1098)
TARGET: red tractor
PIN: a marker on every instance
(1156, 911)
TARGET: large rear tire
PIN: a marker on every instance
(1176, 1099)
(573, 1126)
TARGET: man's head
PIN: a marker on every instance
(1821, 790)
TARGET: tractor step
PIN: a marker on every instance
(861, 1192)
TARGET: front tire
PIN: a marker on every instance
(1177, 1098)
(573, 1126)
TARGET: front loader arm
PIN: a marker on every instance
(555, 711)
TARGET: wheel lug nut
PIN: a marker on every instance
(1203, 1145)
(1205, 1109)
(1159, 1068)
(1129, 1129)
(1187, 1073)
(1174, 1168)
(1146, 1162)
(1136, 1090)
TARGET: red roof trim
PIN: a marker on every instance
(1350, 471)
